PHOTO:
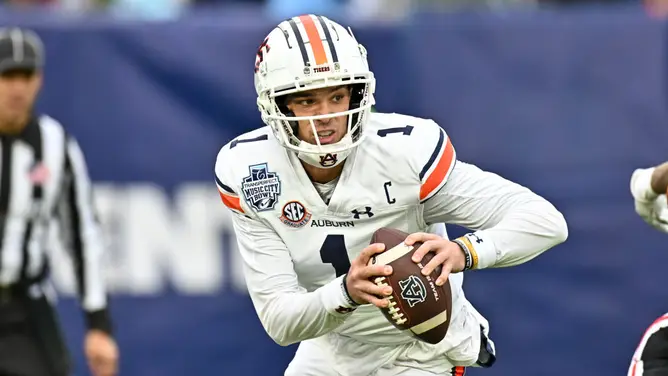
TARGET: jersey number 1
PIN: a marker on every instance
(333, 251)
(406, 131)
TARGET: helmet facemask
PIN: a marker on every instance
(286, 125)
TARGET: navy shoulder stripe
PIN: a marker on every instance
(434, 155)
(224, 187)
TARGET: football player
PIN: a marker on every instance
(309, 189)
(649, 187)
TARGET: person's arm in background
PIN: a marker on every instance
(81, 234)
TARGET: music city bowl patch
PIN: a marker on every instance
(261, 188)
(294, 214)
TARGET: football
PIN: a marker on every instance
(417, 305)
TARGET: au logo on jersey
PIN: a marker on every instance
(261, 188)
(413, 290)
(295, 214)
(328, 160)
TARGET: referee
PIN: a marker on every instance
(43, 177)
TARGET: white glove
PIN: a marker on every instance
(649, 205)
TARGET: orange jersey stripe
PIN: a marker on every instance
(314, 39)
(635, 368)
(231, 202)
(440, 172)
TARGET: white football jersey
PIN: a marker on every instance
(296, 248)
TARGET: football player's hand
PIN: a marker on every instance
(360, 288)
(447, 254)
(650, 206)
(654, 213)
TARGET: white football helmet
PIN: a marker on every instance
(305, 53)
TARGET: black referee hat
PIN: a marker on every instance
(20, 49)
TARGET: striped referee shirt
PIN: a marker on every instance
(44, 180)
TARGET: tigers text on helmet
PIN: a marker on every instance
(306, 53)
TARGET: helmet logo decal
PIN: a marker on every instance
(264, 48)
(328, 160)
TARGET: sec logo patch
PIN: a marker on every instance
(294, 214)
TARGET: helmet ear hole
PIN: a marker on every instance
(357, 94)
(282, 104)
